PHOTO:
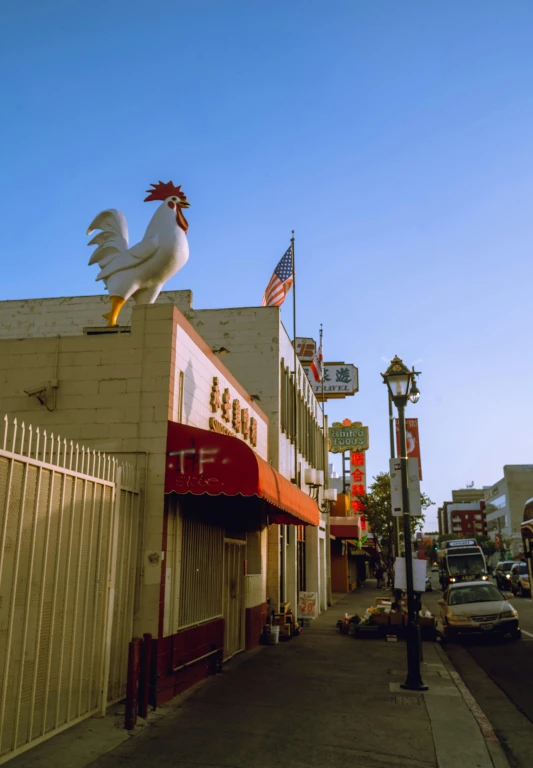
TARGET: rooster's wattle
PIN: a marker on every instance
(141, 271)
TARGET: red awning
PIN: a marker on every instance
(344, 527)
(203, 462)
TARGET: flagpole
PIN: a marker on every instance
(296, 478)
(322, 352)
(325, 463)
(323, 423)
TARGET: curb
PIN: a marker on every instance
(497, 755)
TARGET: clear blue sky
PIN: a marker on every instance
(394, 137)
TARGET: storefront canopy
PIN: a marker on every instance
(203, 462)
(344, 527)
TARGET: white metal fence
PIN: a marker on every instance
(68, 538)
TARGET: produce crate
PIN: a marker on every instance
(368, 631)
(380, 619)
(397, 619)
(427, 627)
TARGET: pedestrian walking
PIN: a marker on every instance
(379, 574)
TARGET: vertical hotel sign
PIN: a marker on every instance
(358, 484)
(413, 441)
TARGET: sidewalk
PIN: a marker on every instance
(323, 699)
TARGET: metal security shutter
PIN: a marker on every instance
(202, 562)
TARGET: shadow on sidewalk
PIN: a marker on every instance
(320, 699)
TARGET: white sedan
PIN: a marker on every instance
(477, 607)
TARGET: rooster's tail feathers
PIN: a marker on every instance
(112, 240)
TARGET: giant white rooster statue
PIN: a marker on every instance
(141, 271)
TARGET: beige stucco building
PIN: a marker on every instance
(119, 389)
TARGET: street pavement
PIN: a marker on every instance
(324, 698)
(500, 676)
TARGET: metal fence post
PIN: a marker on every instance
(112, 571)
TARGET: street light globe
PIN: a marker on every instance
(414, 393)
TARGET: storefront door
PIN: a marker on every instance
(234, 556)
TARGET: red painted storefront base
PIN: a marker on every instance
(183, 652)
(255, 621)
(182, 660)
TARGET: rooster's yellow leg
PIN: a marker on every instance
(117, 302)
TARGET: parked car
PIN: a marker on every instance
(502, 574)
(520, 580)
(477, 607)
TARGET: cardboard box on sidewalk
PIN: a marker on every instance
(397, 619)
(381, 619)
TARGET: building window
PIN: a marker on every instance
(283, 396)
(296, 412)
(253, 552)
(301, 557)
(500, 502)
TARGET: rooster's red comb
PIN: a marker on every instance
(161, 191)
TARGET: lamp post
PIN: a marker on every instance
(393, 456)
(402, 387)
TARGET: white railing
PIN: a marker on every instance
(68, 525)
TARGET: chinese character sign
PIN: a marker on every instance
(305, 349)
(358, 483)
(339, 380)
(413, 441)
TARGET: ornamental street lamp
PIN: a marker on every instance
(402, 387)
(396, 535)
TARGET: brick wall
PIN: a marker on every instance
(69, 315)
(113, 395)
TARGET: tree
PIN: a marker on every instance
(486, 544)
(377, 509)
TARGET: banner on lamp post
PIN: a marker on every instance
(413, 441)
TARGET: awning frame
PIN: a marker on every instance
(201, 462)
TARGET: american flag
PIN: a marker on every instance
(317, 366)
(280, 282)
